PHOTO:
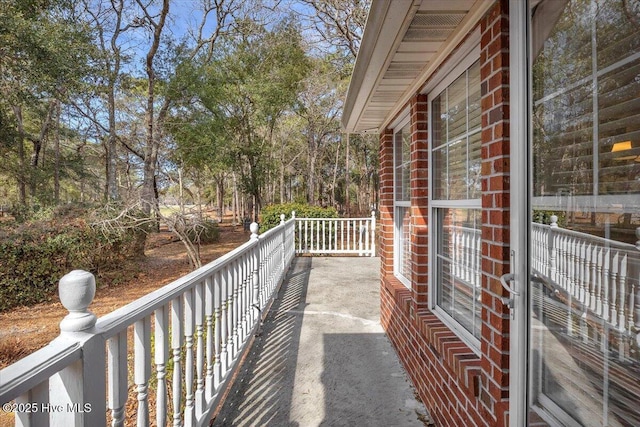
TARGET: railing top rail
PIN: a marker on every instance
(28, 372)
(585, 236)
(364, 218)
(117, 320)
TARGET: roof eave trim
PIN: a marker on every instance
(471, 20)
(375, 53)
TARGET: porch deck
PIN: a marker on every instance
(322, 357)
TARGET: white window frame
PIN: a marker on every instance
(397, 220)
(468, 54)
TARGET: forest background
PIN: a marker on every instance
(119, 117)
(171, 102)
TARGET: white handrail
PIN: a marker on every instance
(200, 325)
(339, 236)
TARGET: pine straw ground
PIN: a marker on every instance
(24, 330)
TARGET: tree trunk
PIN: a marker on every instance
(21, 178)
(335, 177)
(110, 148)
(148, 197)
(219, 197)
(56, 147)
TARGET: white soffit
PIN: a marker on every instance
(403, 44)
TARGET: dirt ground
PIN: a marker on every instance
(24, 330)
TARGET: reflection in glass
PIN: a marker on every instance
(585, 286)
(458, 264)
(402, 157)
(456, 138)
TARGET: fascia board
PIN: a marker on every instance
(387, 22)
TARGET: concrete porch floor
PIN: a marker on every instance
(322, 357)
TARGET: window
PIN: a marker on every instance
(402, 204)
(455, 200)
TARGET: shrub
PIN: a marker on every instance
(544, 217)
(270, 215)
(204, 232)
(35, 255)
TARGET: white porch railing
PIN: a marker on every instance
(600, 275)
(187, 340)
(341, 236)
(466, 254)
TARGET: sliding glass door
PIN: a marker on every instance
(583, 209)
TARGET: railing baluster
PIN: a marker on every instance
(242, 300)
(199, 320)
(142, 367)
(210, 354)
(623, 291)
(599, 281)
(217, 340)
(605, 284)
(255, 275)
(189, 414)
(237, 318)
(161, 337)
(589, 276)
(117, 377)
(580, 266)
(37, 395)
(227, 325)
(615, 269)
(176, 346)
(246, 280)
(324, 240)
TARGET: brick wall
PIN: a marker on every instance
(385, 225)
(494, 75)
(458, 387)
(419, 200)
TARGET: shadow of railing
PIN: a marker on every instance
(266, 379)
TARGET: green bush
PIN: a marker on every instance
(270, 215)
(204, 233)
(35, 255)
(544, 217)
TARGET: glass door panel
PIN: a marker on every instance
(584, 354)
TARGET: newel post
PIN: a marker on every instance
(80, 388)
(255, 277)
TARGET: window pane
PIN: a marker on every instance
(456, 138)
(457, 168)
(402, 155)
(439, 122)
(458, 264)
(474, 172)
(457, 108)
(475, 110)
(440, 173)
(403, 242)
(567, 59)
(563, 143)
(618, 24)
(619, 130)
